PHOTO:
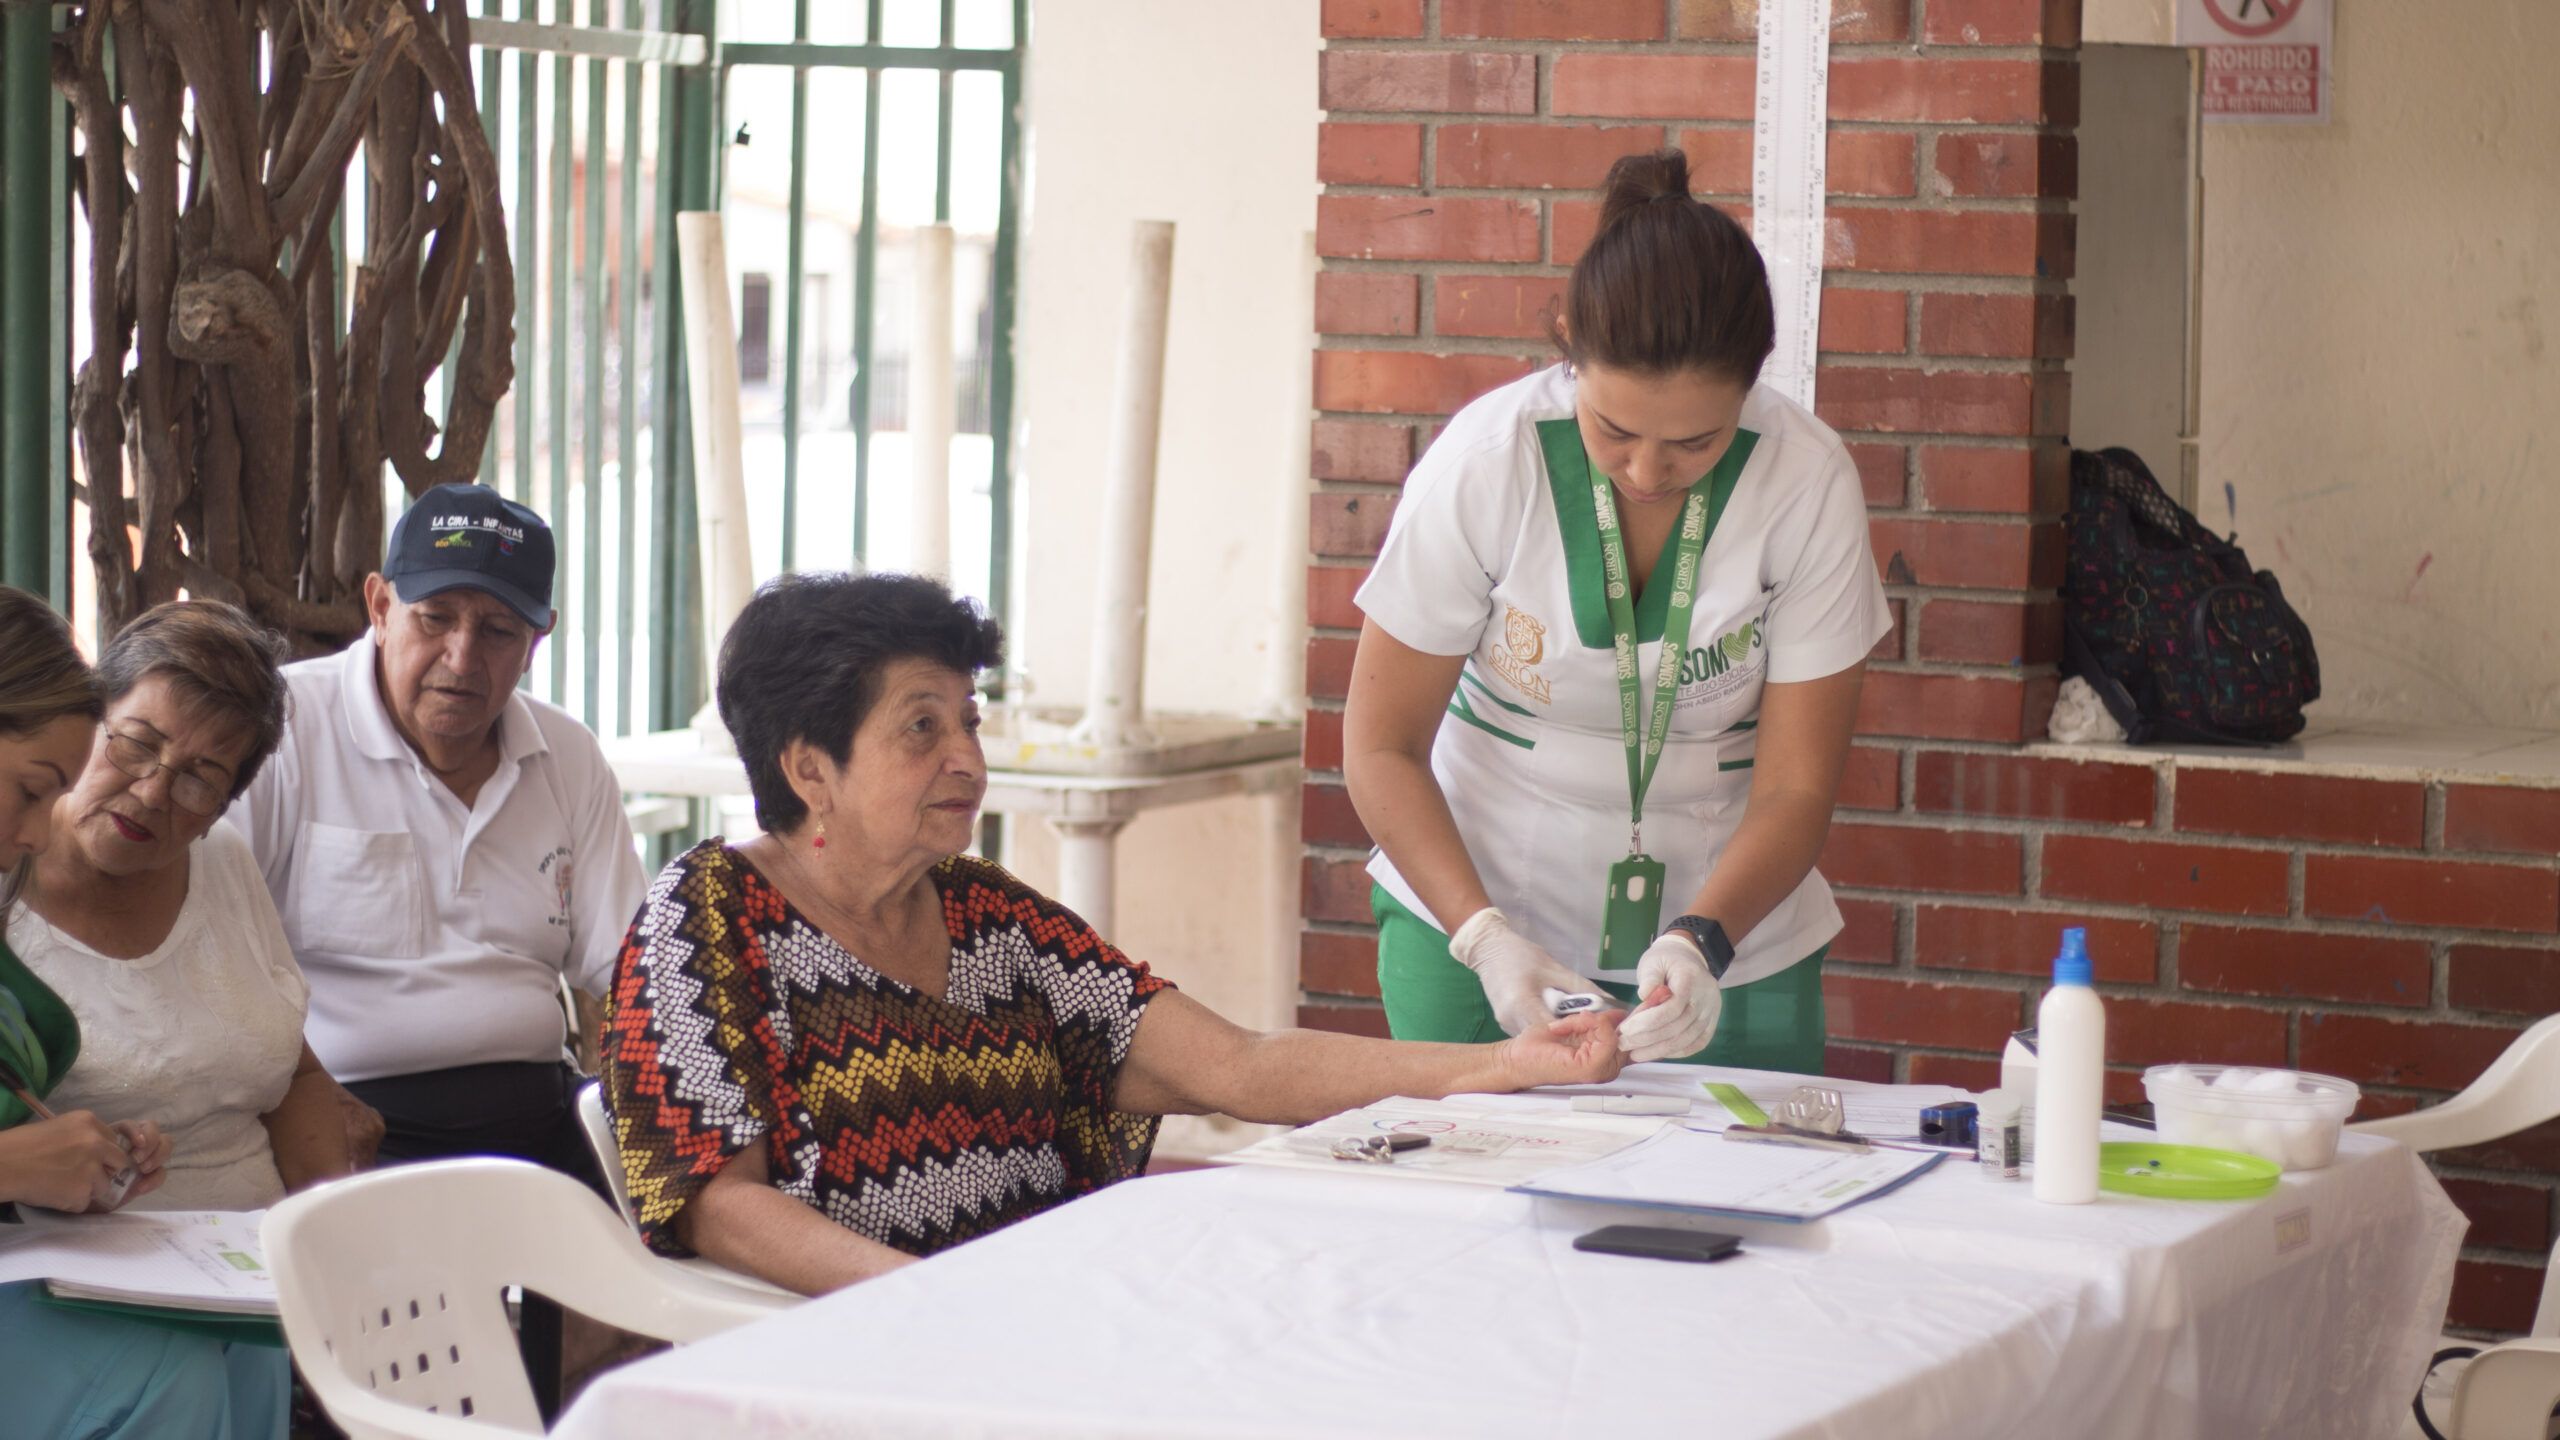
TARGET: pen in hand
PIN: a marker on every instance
(17, 1085)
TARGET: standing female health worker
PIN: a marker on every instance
(1610, 666)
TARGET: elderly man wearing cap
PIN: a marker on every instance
(446, 849)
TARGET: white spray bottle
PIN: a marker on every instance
(2071, 1059)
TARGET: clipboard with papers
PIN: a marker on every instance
(204, 1262)
(1531, 1148)
(1697, 1171)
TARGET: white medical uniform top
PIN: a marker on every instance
(1491, 559)
(434, 935)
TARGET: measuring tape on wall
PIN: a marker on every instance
(1787, 137)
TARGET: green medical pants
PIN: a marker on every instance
(1770, 1024)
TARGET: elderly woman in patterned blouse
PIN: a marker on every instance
(844, 1044)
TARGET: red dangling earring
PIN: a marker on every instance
(820, 843)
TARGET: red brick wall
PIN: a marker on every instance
(2398, 932)
(2233, 915)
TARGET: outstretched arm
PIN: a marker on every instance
(1188, 1060)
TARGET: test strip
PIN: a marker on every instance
(1732, 1098)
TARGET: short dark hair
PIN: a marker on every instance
(805, 658)
(221, 663)
(1668, 283)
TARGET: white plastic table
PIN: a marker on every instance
(1255, 1302)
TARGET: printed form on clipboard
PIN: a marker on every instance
(1699, 1171)
(201, 1260)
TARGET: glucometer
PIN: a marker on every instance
(1561, 1003)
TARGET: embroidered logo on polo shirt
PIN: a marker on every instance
(1516, 655)
(562, 869)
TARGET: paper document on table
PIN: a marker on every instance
(1884, 1112)
(205, 1260)
(1684, 1169)
(1481, 1145)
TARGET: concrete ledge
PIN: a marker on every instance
(2485, 755)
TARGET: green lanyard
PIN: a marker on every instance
(1644, 735)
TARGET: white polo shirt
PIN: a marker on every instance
(434, 935)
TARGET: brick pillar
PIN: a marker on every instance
(1461, 150)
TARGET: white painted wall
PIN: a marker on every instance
(2129, 284)
(1205, 115)
(2379, 376)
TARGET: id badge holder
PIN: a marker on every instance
(1634, 917)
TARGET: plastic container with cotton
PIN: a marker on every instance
(2292, 1117)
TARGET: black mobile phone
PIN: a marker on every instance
(1653, 1242)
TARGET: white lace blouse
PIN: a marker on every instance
(200, 1036)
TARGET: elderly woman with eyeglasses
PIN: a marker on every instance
(152, 922)
(69, 1372)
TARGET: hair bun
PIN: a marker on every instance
(1641, 179)
(1666, 287)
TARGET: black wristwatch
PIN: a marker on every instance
(1709, 937)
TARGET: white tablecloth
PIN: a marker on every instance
(1252, 1302)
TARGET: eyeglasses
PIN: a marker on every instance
(191, 792)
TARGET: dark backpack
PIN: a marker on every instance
(2181, 639)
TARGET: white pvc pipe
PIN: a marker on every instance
(1116, 698)
(1088, 870)
(930, 406)
(1284, 695)
(719, 467)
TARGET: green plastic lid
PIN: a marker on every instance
(2183, 1172)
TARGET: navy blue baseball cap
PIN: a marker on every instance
(470, 537)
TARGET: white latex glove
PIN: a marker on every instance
(1514, 971)
(1686, 1020)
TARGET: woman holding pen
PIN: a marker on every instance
(68, 1372)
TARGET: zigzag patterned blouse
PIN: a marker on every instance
(918, 1122)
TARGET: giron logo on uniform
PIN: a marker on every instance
(1723, 654)
(1517, 653)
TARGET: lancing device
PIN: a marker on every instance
(1561, 1003)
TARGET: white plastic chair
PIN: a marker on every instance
(392, 1283)
(2509, 1390)
(608, 1148)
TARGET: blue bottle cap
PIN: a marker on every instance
(2071, 967)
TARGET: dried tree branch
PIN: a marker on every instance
(232, 436)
